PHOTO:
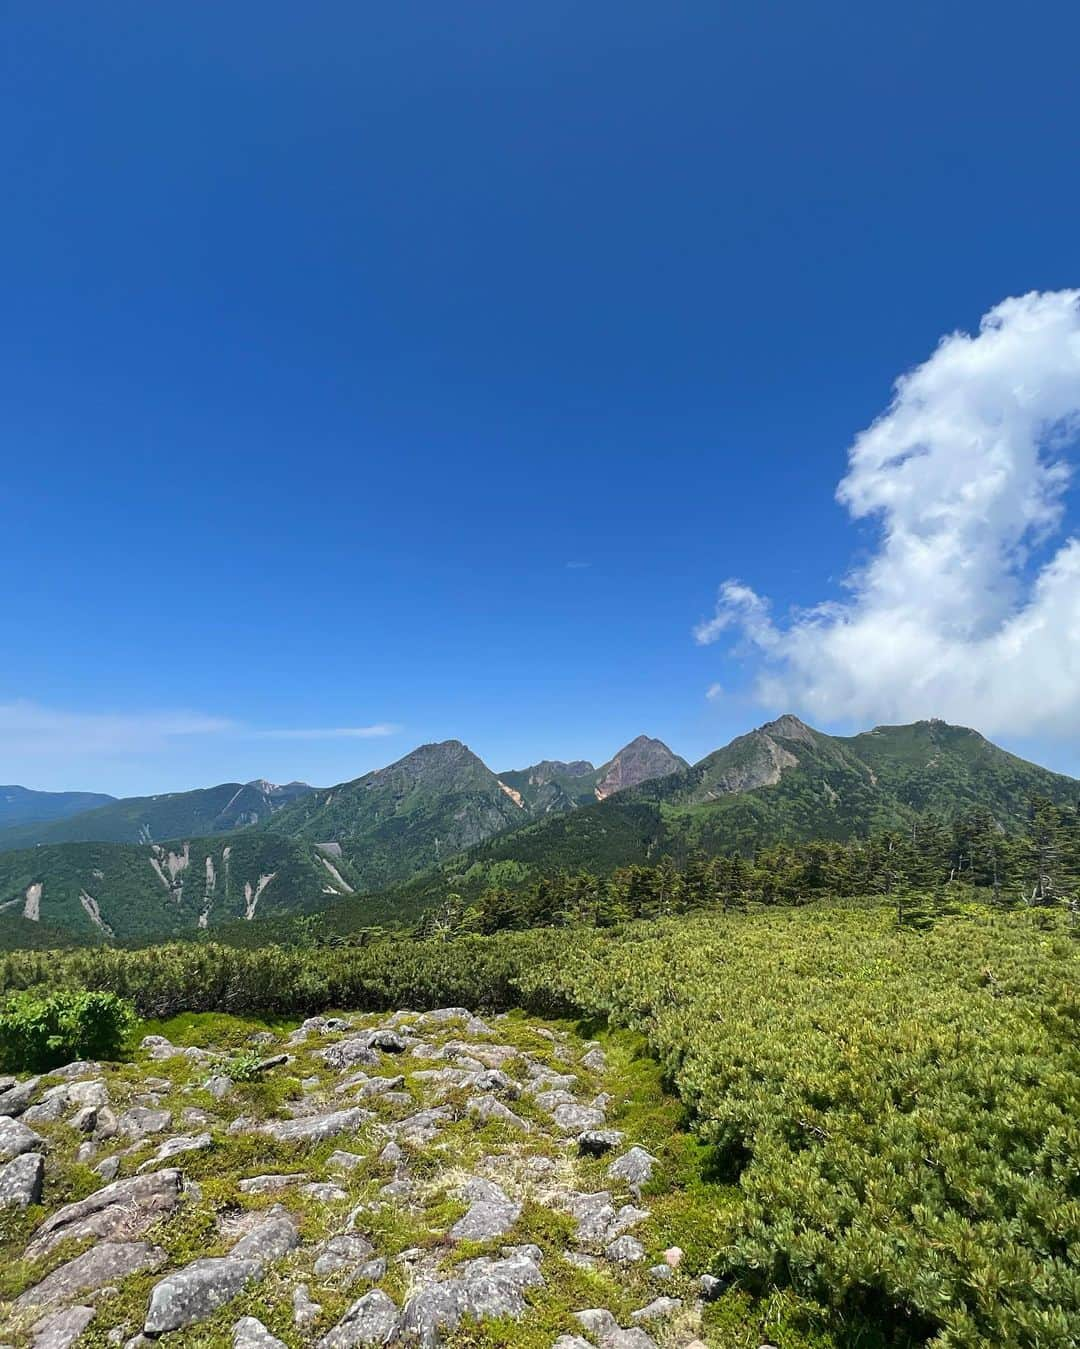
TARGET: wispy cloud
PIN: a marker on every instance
(380, 728)
(965, 475)
(577, 566)
(29, 728)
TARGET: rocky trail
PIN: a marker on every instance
(413, 1179)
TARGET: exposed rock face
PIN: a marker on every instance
(641, 761)
(61, 1329)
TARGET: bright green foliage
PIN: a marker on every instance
(41, 1033)
(901, 1110)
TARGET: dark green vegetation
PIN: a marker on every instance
(20, 805)
(38, 1033)
(890, 1116)
(149, 819)
(100, 891)
(439, 824)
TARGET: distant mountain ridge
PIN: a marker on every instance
(439, 820)
(147, 819)
(22, 805)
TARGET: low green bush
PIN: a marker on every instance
(38, 1033)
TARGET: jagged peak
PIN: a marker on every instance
(789, 727)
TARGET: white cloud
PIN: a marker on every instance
(714, 692)
(965, 475)
(29, 728)
(380, 728)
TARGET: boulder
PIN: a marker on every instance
(658, 1309)
(625, 1251)
(349, 1053)
(487, 1108)
(274, 1237)
(98, 1267)
(119, 1211)
(368, 1321)
(269, 1184)
(577, 1119)
(61, 1329)
(491, 1213)
(315, 1128)
(635, 1168)
(345, 1252)
(17, 1138)
(250, 1333)
(21, 1180)
(142, 1120)
(195, 1292)
(305, 1311)
(17, 1097)
(173, 1147)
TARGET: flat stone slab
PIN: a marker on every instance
(100, 1265)
(314, 1128)
(195, 1292)
(118, 1211)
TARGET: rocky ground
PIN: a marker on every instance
(414, 1179)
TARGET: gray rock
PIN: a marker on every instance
(661, 1273)
(195, 1292)
(85, 1120)
(368, 1321)
(108, 1168)
(424, 1126)
(93, 1092)
(441, 1015)
(276, 1236)
(345, 1161)
(17, 1138)
(487, 1108)
(594, 1214)
(484, 1288)
(315, 1128)
(21, 1180)
(597, 1321)
(635, 1167)
(625, 1251)
(141, 1120)
(47, 1111)
(119, 1211)
(16, 1099)
(219, 1086)
(78, 1068)
(371, 1271)
(577, 1119)
(61, 1329)
(270, 1184)
(348, 1053)
(491, 1213)
(305, 1311)
(347, 1251)
(657, 1309)
(98, 1267)
(389, 1041)
(634, 1338)
(710, 1287)
(595, 1142)
(325, 1193)
(595, 1060)
(173, 1147)
(391, 1155)
(249, 1333)
(571, 1342)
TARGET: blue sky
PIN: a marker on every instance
(428, 368)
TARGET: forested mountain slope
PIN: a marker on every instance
(21, 805)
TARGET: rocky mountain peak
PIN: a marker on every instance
(642, 760)
(789, 727)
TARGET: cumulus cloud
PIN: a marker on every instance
(29, 728)
(969, 605)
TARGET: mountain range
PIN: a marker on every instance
(440, 819)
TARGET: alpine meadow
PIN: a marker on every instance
(541, 702)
